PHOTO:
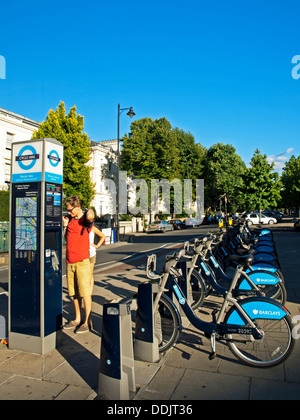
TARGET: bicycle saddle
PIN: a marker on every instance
(243, 251)
(249, 241)
(242, 259)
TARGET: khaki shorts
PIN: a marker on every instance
(93, 259)
(79, 278)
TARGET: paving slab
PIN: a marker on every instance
(184, 373)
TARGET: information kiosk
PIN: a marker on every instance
(35, 275)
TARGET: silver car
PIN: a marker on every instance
(191, 222)
(159, 226)
(253, 219)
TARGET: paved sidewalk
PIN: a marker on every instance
(184, 373)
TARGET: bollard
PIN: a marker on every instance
(3, 334)
(146, 341)
(116, 373)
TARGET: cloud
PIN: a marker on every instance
(280, 159)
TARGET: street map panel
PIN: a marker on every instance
(26, 223)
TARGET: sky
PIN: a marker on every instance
(225, 71)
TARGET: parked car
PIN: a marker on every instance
(159, 226)
(177, 224)
(253, 219)
(190, 222)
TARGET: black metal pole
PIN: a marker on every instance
(118, 181)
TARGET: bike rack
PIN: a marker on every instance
(146, 342)
(116, 373)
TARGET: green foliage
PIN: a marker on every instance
(224, 173)
(4, 208)
(68, 129)
(151, 151)
(291, 183)
(155, 150)
(262, 185)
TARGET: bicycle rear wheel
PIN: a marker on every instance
(272, 349)
(166, 324)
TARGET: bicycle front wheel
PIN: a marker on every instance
(198, 290)
(273, 348)
(166, 324)
(275, 291)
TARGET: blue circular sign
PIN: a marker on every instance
(54, 158)
(31, 158)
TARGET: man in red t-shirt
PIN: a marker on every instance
(77, 226)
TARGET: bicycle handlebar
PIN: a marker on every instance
(151, 267)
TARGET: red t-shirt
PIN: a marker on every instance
(78, 241)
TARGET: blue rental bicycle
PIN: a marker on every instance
(252, 280)
(205, 275)
(258, 330)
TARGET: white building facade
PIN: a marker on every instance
(103, 175)
(13, 128)
(103, 160)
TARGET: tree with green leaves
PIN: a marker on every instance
(151, 151)
(4, 208)
(191, 155)
(156, 151)
(224, 172)
(262, 184)
(291, 183)
(68, 129)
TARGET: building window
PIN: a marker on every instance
(9, 140)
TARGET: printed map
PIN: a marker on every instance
(26, 223)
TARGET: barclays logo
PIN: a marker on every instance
(269, 313)
(272, 280)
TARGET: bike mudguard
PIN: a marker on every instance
(259, 277)
(262, 266)
(264, 256)
(256, 308)
(264, 248)
(265, 232)
(265, 239)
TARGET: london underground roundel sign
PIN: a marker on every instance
(27, 160)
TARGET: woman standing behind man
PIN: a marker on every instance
(93, 248)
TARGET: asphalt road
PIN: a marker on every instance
(145, 243)
(141, 244)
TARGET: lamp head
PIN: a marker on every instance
(130, 113)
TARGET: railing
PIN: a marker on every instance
(4, 236)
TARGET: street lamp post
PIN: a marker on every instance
(130, 113)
